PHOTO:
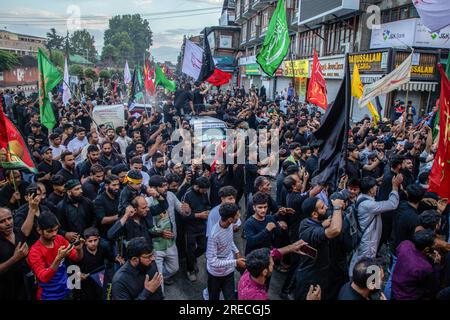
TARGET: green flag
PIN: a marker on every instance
(49, 77)
(276, 43)
(163, 81)
(139, 76)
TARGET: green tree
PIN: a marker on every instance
(91, 74)
(57, 58)
(139, 33)
(8, 60)
(105, 74)
(110, 55)
(76, 70)
(82, 43)
(54, 40)
(125, 47)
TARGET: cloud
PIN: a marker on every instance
(165, 53)
(142, 3)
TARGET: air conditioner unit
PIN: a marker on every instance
(346, 48)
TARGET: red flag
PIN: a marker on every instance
(317, 89)
(219, 78)
(17, 154)
(440, 172)
(148, 81)
(115, 86)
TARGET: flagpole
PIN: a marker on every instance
(292, 65)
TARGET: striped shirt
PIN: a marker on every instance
(221, 250)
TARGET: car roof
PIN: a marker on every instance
(207, 120)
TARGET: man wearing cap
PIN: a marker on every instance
(47, 168)
(75, 212)
(317, 234)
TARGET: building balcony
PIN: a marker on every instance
(239, 18)
(260, 4)
(248, 11)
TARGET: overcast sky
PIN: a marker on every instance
(37, 17)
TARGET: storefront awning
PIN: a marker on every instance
(419, 86)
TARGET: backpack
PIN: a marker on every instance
(351, 229)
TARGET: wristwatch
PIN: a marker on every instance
(337, 208)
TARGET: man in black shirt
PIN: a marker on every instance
(353, 165)
(58, 190)
(158, 165)
(313, 162)
(183, 100)
(313, 231)
(107, 205)
(199, 97)
(92, 185)
(93, 155)
(108, 158)
(300, 137)
(13, 192)
(358, 288)
(138, 278)
(48, 167)
(75, 212)
(134, 223)
(68, 171)
(13, 251)
(195, 224)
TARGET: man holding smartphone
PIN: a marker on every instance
(47, 259)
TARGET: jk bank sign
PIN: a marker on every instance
(409, 32)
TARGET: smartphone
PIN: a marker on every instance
(76, 243)
(309, 251)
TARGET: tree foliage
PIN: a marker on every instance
(57, 58)
(91, 74)
(105, 74)
(110, 55)
(54, 41)
(138, 41)
(83, 44)
(76, 70)
(8, 60)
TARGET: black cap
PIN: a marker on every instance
(45, 149)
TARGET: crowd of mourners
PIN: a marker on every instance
(111, 209)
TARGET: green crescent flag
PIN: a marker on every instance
(49, 77)
(163, 81)
(276, 43)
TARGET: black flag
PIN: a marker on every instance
(208, 65)
(332, 135)
(136, 90)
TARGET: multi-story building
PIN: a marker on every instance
(20, 44)
(224, 40)
(334, 28)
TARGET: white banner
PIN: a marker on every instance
(426, 38)
(409, 32)
(126, 74)
(111, 116)
(192, 61)
(391, 82)
(434, 13)
(394, 34)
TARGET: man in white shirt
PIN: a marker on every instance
(123, 140)
(92, 138)
(57, 147)
(227, 195)
(222, 255)
(77, 144)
